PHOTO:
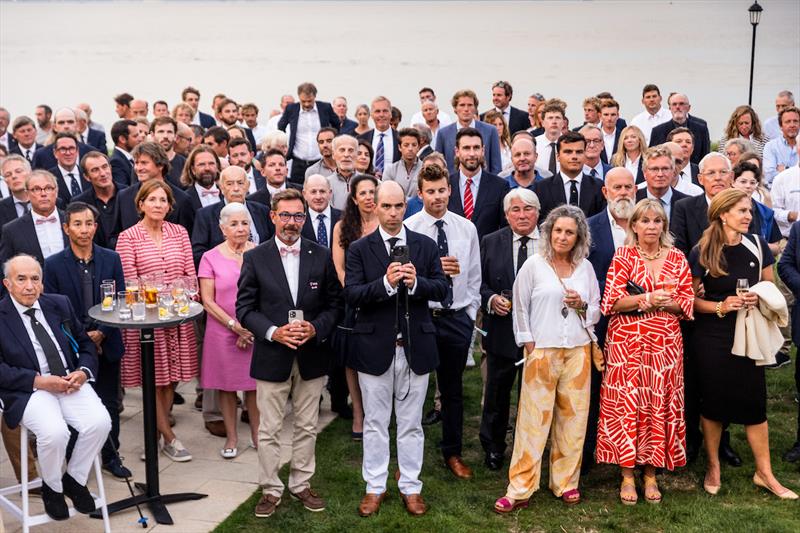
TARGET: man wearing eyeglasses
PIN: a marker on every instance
(64, 121)
(679, 106)
(659, 169)
(594, 165)
(68, 174)
(37, 233)
(682, 180)
(290, 298)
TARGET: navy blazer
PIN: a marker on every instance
(64, 192)
(689, 219)
(446, 145)
(206, 233)
(373, 336)
(789, 271)
(264, 300)
(173, 177)
(347, 126)
(261, 181)
(487, 215)
(121, 168)
(15, 148)
(308, 228)
(8, 210)
(601, 253)
(551, 194)
(182, 212)
(96, 139)
(263, 196)
(497, 274)
(327, 118)
(45, 159)
(369, 135)
(518, 120)
(61, 276)
(18, 363)
(207, 121)
(617, 133)
(698, 127)
(19, 237)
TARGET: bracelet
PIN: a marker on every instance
(719, 310)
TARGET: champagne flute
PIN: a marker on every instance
(742, 288)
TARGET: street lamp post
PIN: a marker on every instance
(755, 17)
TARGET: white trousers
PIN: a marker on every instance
(47, 416)
(407, 390)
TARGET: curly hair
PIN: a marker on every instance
(351, 217)
(583, 243)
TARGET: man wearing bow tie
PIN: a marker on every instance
(200, 174)
(290, 298)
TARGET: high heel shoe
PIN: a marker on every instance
(785, 495)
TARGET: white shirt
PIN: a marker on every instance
(305, 140)
(4, 139)
(44, 367)
(315, 221)
(273, 191)
(207, 199)
(251, 188)
(568, 185)
(388, 146)
(598, 168)
(686, 185)
(401, 240)
(258, 134)
(543, 148)
(533, 246)
(617, 232)
(772, 130)
(444, 120)
(632, 166)
(786, 197)
(291, 267)
(49, 235)
(463, 244)
(75, 176)
(646, 122)
(462, 184)
(127, 155)
(539, 298)
(272, 124)
(4, 192)
(608, 141)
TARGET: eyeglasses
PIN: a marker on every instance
(66, 149)
(716, 173)
(593, 141)
(659, 170)
(39, 190)
(285, 217)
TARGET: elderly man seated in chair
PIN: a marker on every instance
(45, 360)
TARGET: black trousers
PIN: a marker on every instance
(797, 390)
(500, 375)
(691, 390)
(299, 167)
(106, 386)
(453, 334)
(590, 441)
(337, 386)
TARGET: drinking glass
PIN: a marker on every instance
(742, 287)
(182, 305)
(138, 307)
(670, 284)
(165, 302)
(107, 290)
(123, 307)
(509, 296)
(190, 283)
(131, 288)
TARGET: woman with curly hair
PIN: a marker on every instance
(744, 124)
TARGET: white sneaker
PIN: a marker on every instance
(175, 451)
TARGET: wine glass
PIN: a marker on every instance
(190, 285)
(742, 288)
(670, 284)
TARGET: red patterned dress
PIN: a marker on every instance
(175, 347)
(641, 398)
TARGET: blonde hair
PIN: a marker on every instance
(665, 240)
(618, 159)
(713, 240)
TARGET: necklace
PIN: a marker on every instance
(648, 256)
(231, 250)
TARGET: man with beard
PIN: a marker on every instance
(325, 166)
(594, 165)
(65, 122)
(102, 195)
(126, 136)
(199, 177)
(476, 195)
(679, 106)
(659, 169)
(275, 173)
(344, 154)
(515, 119)
(290, 358)
(240, 154)
(122, 105)
(44, 114)
(465, 105)
(228, 113)
(607, 229)
(163, 131)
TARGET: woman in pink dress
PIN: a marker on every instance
(156, 246)
(227, 346)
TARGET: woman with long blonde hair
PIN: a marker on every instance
(632, 146)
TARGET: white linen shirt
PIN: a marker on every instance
(786, 197)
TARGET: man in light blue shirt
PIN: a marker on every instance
(772, 129)
(780, 153)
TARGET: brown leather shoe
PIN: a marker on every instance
(266, 505)
(415, 505)
(458, 468)
(370, 504)
(216, 428)
(310, 500)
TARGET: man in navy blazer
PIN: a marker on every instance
(587, 193)
(789, 271)
(487, 190)
(679, 107)
(67, 157)
(381, 113)
(317, 192)
(465, 104)
(65, 273)
(346, 125)
(516, 119)
(609, 113)
(191, 96)
(126, 135)
(65, 121)
(659, 170)
(393, 343)
(45, 360)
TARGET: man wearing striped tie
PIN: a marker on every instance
(383, 138)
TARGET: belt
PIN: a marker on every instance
(399, 342)
(441, 312)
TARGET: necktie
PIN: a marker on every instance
(288, 251)
(45, 220)
(22, 208)
(74, 188)
(552, 165)
(392, 243)
(573, 192)
(379, 156)
(48, 347)
(469, 201)
(593, 173)
(522, 253)
(444, 250)
(28, 155)
(322, 232)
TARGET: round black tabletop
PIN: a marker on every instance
(111, 318)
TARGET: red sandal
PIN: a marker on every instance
(506, 505)
(571, 497)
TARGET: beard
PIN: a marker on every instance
(206, 179)
(621, 208)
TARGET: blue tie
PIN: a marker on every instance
(74, 188)
(322, 233)
(379, 155)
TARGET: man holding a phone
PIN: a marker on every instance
(290, 298)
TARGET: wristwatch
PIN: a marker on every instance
(231, 323)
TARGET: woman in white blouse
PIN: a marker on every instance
(555, 306)
(632, 145)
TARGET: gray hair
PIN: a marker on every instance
(589, 127)
(233, 208)
(339, 139)
(743, 144)
(583, 243)
(527, 196)
(16, 157)
(80, 114)
(8, 262)
(786, 94)
(425, 132)
(711, 155)
(43, 173)
(272, 138)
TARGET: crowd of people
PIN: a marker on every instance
(622, 274)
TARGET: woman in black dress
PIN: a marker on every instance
(732, 387)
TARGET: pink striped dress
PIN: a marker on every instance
(175, 347)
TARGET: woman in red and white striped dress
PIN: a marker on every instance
(156, 246)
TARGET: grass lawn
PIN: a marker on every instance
(467, 505)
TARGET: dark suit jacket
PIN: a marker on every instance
(261, 181)
(206, 233)
(425, 152)
(327, 118)
(517, 120)
(789, 271)
(695, 170)
(368, 136)
(688, 222)
(308, 228)
(702, 141)
(600, 255)
(497, 269)
(18, 363)
(641, 194)
(206, 120)
(8, 211)
(603, 156)
(264, 300)
(182, 212)
(19, 237)
(488, 215)
(96, 139)
(175, 171)
(551, 194)
(446, 145)
(348, 126)
(121, 169)
(107, 232)
(15, 148)
(63, 188)
(61, 276)
(373, 336)
(45, 159)
(263, 196)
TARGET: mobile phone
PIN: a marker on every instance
(400, 254)
(295, 315)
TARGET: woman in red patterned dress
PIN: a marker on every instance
(641, 399)
(154, 245)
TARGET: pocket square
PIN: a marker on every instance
(313, 285)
